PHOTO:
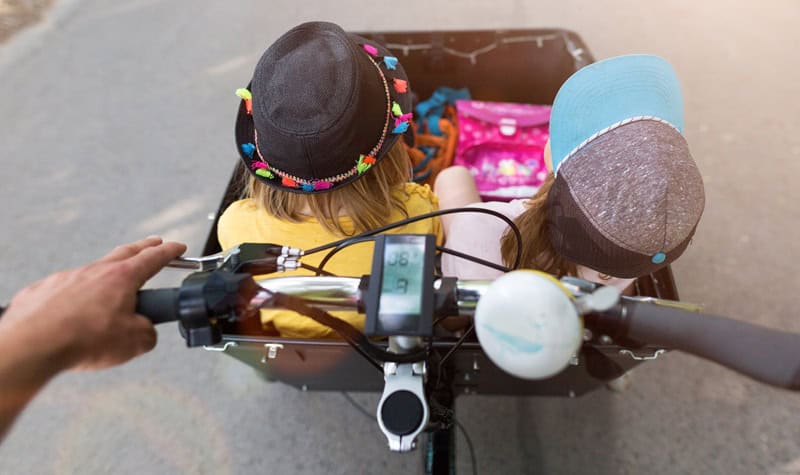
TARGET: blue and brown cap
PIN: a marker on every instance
(627, 196)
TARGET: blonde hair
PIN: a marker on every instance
(368, 201)
(537, 251)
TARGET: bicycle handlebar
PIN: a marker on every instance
(764, 354)
(158, 305)
(767, 355)
(328, 293)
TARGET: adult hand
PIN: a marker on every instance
(86, 316)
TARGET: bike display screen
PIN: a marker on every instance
(399, 295)
(400, 303)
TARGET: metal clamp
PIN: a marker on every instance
(407, 378)
(643, 358)
(271, 351)
(575, 51)
(575, 360)
(688, 306)
(222, 348)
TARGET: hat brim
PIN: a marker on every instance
(607, 92)
(245, 127)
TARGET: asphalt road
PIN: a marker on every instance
(116, 122)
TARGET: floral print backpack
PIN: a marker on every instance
(502, 144)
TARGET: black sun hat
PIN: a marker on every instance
(322, 108)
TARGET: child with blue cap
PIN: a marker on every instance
(624, 197)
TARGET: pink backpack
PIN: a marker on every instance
(502, 144)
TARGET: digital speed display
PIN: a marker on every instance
(400, 300)
(402, 278)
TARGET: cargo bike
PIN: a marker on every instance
(418, 367)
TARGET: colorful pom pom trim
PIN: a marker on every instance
(390, 62)
(396, 110)
(362, 164)
(248, 149)
(370, 49)
(400, 85)
(265, 173)
(245, 95)
(323, 185)
(400, 128)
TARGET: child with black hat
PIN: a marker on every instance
(319, 128)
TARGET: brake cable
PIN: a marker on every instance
(348, 332)
(432, 214)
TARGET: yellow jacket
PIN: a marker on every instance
(244, 222)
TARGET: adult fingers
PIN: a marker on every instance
(147, 333)
(147, 263)
(135, 336)
(139, 337)
(125, 251)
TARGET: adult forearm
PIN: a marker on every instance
(27, 363)
(83, 318)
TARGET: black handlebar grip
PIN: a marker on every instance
(158, 305)
(767, 355)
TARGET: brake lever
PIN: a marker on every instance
(199, 264)
(590, 296)
(246, 257)
(579, 286)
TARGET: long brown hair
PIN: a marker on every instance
(537, 251)
(368, 201)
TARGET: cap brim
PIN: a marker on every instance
(610, 91)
